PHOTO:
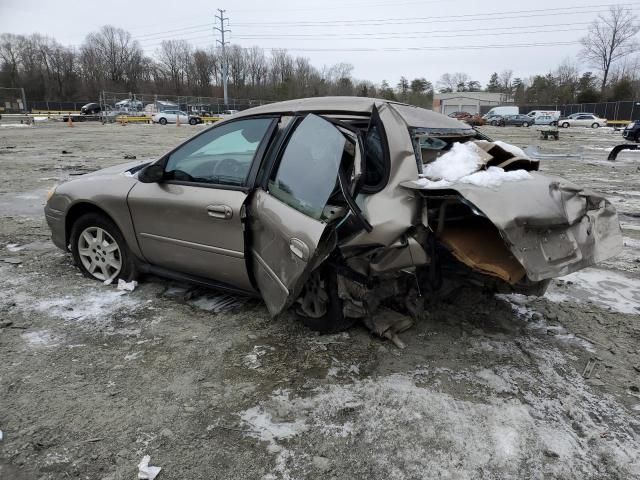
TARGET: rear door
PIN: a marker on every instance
(290, 215)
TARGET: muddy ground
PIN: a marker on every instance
(212, 388)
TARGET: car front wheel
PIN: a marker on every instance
(99, 249)
(320, 307)
(193, 121)
(595, 125)
(162, 121)
(525, 124)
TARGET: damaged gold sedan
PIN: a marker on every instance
(338, 207)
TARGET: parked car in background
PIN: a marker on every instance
(502, 111)
(494, 120)
(632, 131)
(278, 202)
(516, 120)
(545, 120)
(583, 120)
(226, 113)
(129, 105)
(475, 120)
(460, 115)
(574, 115)
(537, 113)
(172, 116)
(90, 108)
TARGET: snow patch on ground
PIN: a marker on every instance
(410, 429)
(39, 338)
(608, 289)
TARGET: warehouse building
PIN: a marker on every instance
(472, 102)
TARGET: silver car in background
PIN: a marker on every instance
(583, 120)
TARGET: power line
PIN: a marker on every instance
(449, 18)
(424, 48)
(410, 37)
(395, 35)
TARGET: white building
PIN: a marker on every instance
(469, 101)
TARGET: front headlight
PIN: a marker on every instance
(50, 193)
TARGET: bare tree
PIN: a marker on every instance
(610, 38)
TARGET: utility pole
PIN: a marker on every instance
(225, 66)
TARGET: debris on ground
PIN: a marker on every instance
(127, 286)
(145, 471)
(388, 323)
(128, 156)
(12, 260)
(65, 152)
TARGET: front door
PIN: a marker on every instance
(192, 221)
(290, 216)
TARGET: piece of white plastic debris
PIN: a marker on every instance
(1, 435)
(108, 281)
(127, 286)
(145, 471)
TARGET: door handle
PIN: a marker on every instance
(220, 211)
(299, 248)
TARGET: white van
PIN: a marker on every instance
(502, 111)
(536, 113)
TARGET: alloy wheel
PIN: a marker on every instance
(100, 254)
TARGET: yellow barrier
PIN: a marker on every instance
(56, 112)
(128, 119)
(618, 122)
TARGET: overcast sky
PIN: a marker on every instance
(382, 39)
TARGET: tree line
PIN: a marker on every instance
(111, 60)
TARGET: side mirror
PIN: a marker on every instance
(154, 173)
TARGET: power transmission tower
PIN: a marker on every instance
(221, 42)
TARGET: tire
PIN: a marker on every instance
(565, 125)
(109, 263)
(525, 124)
(637, 139)
(493, 123)
(595, 125)
(193, 121)
(331, 319)
(162, 121)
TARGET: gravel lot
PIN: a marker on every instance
(211, 387)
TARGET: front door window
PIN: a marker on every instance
(222, 155)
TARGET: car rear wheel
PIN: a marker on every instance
(162, 121)
(193, 121)
(595, 125)
(565, 125)
(637, 138)
(525, 124)
(99, 249)
(320, 307)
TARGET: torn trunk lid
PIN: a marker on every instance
(550, 225)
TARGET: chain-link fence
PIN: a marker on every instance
(613, 111)
(12, 100)
(148, 104)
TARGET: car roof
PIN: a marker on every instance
(414, 116)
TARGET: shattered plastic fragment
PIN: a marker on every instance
(127, 286)
(145, 471)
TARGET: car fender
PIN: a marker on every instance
(113, 201)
